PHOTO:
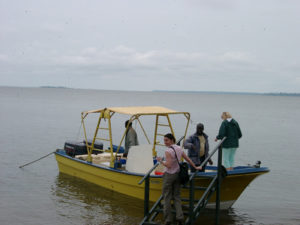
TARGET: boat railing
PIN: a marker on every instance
(214, 186)
(154, 167)
(219, 145)
(195, 207)
(149, 173)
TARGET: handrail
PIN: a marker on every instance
(209, 156)
(214, 186)
(179, 140)
(150, 171)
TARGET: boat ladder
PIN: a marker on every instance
(100, 135)
(194, 207)
(163, 123)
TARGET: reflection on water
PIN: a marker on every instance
(80, 202)
(86, 203)
(227, 217)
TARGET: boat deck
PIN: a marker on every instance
(103, 160)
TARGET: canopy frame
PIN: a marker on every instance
(135, 114)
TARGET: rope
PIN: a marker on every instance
(36, 160)
(78, 133)
(192, 122)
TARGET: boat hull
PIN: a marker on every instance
(127, 183)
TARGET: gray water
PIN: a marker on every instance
(36, 121)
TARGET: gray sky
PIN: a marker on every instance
(199, 45)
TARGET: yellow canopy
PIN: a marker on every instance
(138, 110)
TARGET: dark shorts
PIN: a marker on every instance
(203, 167)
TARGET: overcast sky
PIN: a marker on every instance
(193, 45)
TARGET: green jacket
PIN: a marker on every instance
(231, 130)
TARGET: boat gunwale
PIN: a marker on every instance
(236, 172)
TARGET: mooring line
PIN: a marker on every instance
(36, 160)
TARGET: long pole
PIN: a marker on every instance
(36, 160)
(218, 186)
(146, 200)
(191, 205)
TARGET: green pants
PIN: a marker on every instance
(171, 190)
(228, 157)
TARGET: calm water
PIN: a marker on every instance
(36, 121)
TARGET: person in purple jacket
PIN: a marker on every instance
(198, 147)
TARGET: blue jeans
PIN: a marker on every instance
(228, 156)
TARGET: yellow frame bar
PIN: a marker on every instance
(188, 117)
(169, 121)
(112, 158)
(143, 129)
(124, 134)
(154, 153)
(107, 114)
(84, 131)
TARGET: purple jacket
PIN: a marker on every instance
(194, 155)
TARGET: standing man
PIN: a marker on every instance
(130, 138)
(198, 147)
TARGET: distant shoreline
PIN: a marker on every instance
(233, 93)
(174, 91)
(54, 87)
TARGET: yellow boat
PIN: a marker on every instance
(109, 170)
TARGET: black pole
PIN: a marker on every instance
(146, 200)
(218, 186)
(191, 206)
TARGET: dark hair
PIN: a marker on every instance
(200, 125)
(171, 137)
(126, 123)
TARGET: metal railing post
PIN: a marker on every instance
(191, 205)
(218, 186)
(146, 199)
(193, 211)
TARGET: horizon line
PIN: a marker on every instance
(158, 90)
